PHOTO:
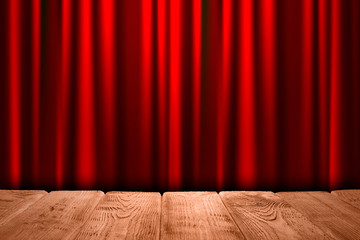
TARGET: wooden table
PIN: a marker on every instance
(179, 215)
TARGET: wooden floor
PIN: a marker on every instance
(179, 215)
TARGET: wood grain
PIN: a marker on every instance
(335, 217)
(196, 215)
(14, 202)
(263, 215)
(350, 196)
(124, 215)
(54, 216)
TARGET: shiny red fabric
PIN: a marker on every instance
(180, 94)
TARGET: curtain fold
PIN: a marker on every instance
(180, 95)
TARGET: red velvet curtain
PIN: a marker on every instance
(180, 94)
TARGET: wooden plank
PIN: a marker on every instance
(196, 215)
(124, 215)
(14, 202)
(336, 218)
(54, 216)
(350, 196)
(263, 215)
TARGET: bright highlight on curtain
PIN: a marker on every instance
(171, 95)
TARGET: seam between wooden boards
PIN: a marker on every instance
(161, 210)
(232, 217)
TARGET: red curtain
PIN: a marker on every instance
(180, 94)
